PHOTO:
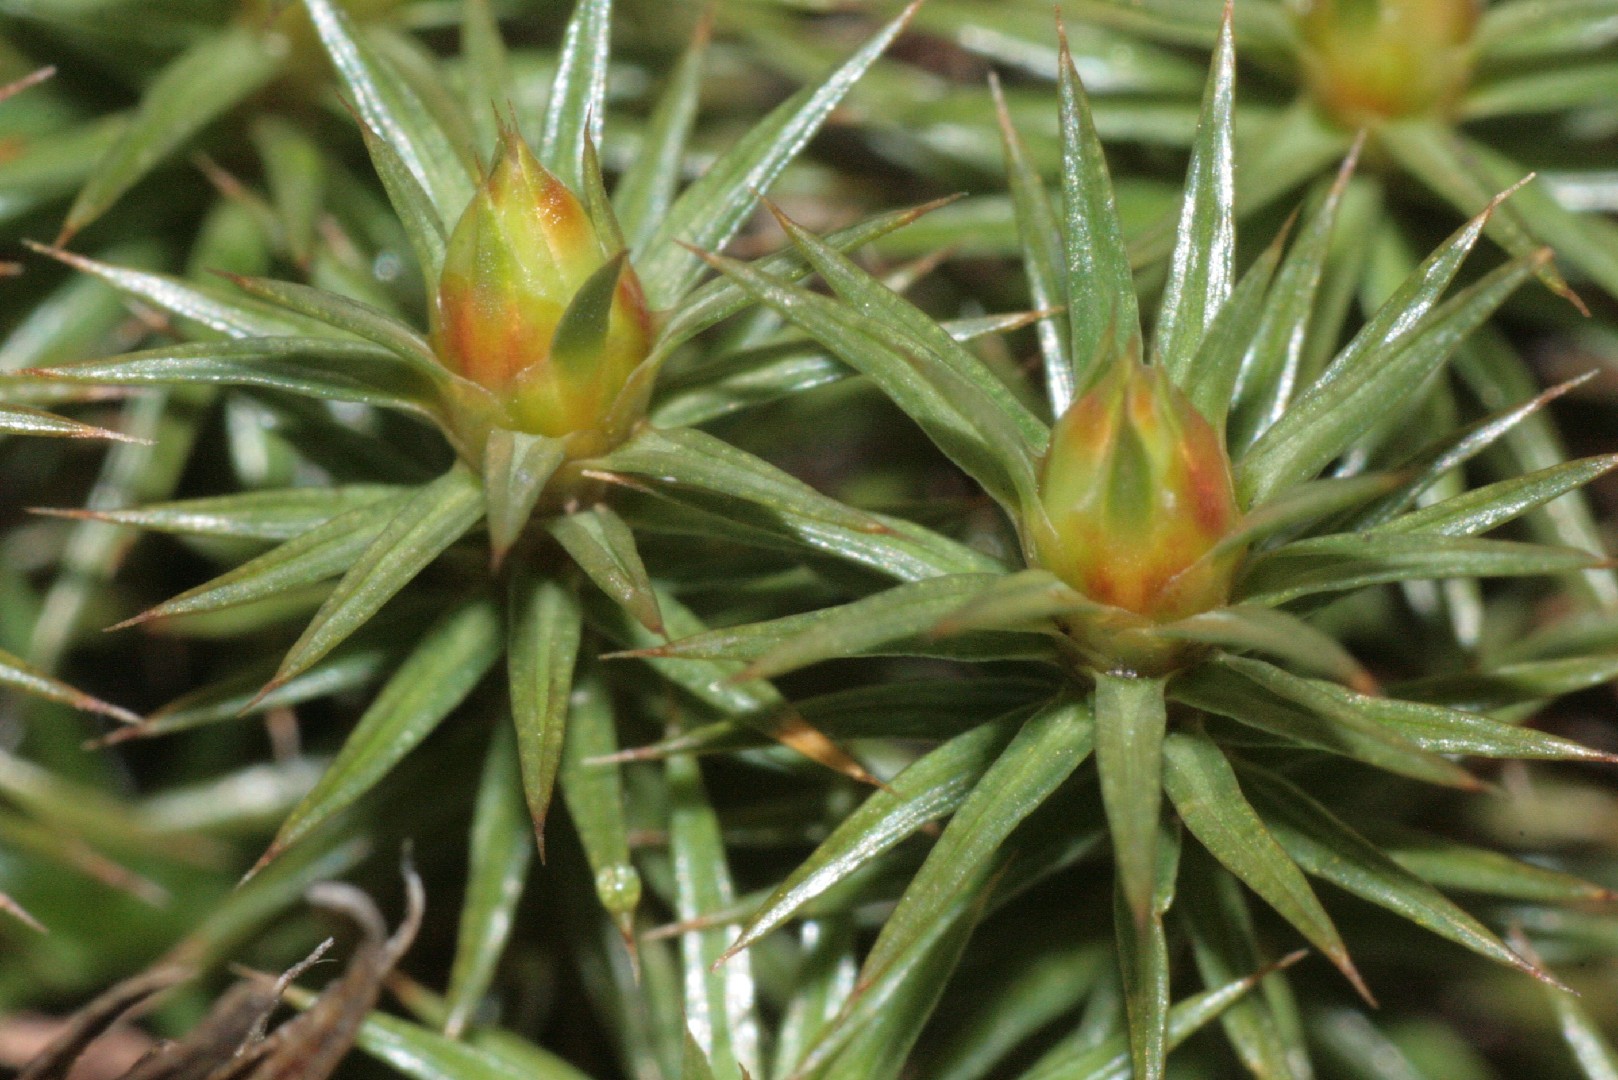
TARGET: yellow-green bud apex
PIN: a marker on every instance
(1137, 490)
(1372, 60)
(531, 305)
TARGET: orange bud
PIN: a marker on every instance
(1137, 490)
(1371, 60)
(524, 262)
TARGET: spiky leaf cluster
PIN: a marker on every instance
(1065, 828)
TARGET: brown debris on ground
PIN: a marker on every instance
(232, 1041)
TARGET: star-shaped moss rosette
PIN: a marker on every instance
(1169, 575)
(1503, 90)
(554, 307)
(1462, 97)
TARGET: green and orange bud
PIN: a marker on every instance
(1136, 489)
(533, 308)
(1373, 60)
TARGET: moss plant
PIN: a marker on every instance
(458, 417)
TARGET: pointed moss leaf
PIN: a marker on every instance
(868, 1037)
(901, 550)
(319, 554)
(544, 646)
(576, 108)
(720, 1009)
(22, 420)
(1346, 561)
(916, 381)
(388, 104)
(248, 515)
(1490, 506)
(196, 302)
(1248, 627)
(91, 815)
(1464, 868)
(1273, 362)
(825, 980)
(708, 213)
(1084, 1060)
(235, 918)
(1203, 787)
(1224, 943)
(904, 611)
(1143, 955)
(1039, 236)
(719, 684)
(296, 173)
(930, 788)
(690, 459)
(1103, 314)
(238, 695)
(1025, 600)
(1307, 503)
(451, 659)
(1216, 369)
(1201, 268)
(695, 1064)
(516, 468)
(1456, 450)
(17, 674)
(898, 1012)
(420, 69)
(599, 204)
(1539, 92)
(1434, 728)
(414, 1051)
(604, 548)
(1044, 753)
(917, 336)
(325, 368)
(498, 852)
(424, 225)
(1545, 29)
(697, 459)
(1464, 172)
(890, 636)
(1266, 698)
(1510, 685)
(436, 516)
(576, 345)
(1498, 376)
(1591, 1047)
(1053, 985)
(487, 70)
(55, 164)
(712, 682)
(1329, 849)
(20, 913)
(1130, 718)
(1393, 351)
(647, 188)
(593, 789)
(722, 298)
(902, 984)
(746, 381)
(909, 708)
(351, 316)
(205, 82)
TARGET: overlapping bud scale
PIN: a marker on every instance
(1137, 491)
(525, 259)
(1371, 60)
